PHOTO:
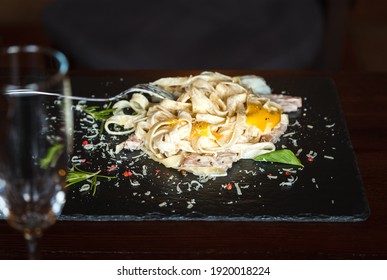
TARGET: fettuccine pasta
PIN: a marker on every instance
(215, 121)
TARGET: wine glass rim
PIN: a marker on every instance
(63, 65)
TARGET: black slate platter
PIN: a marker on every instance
(328, 189)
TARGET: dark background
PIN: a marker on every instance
(357, 42)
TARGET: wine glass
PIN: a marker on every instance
(35, 139)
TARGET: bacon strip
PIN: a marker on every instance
(288, 103)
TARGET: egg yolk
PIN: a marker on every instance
(173, 122)
(261, 117)
(204, 129)
(200, 129)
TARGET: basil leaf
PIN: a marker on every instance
(281, 156)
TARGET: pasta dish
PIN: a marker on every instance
(214, 121)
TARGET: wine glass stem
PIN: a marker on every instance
(32, 243)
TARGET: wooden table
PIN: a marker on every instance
(364, 101)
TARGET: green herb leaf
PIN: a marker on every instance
(51, 156)
(281, 156)
(99, 114)
(77, 175)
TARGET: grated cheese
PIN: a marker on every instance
(238, 189)
(328, 157)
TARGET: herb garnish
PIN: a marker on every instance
(100, 114)
(280, 156)
(77, 175)
(51, 156)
